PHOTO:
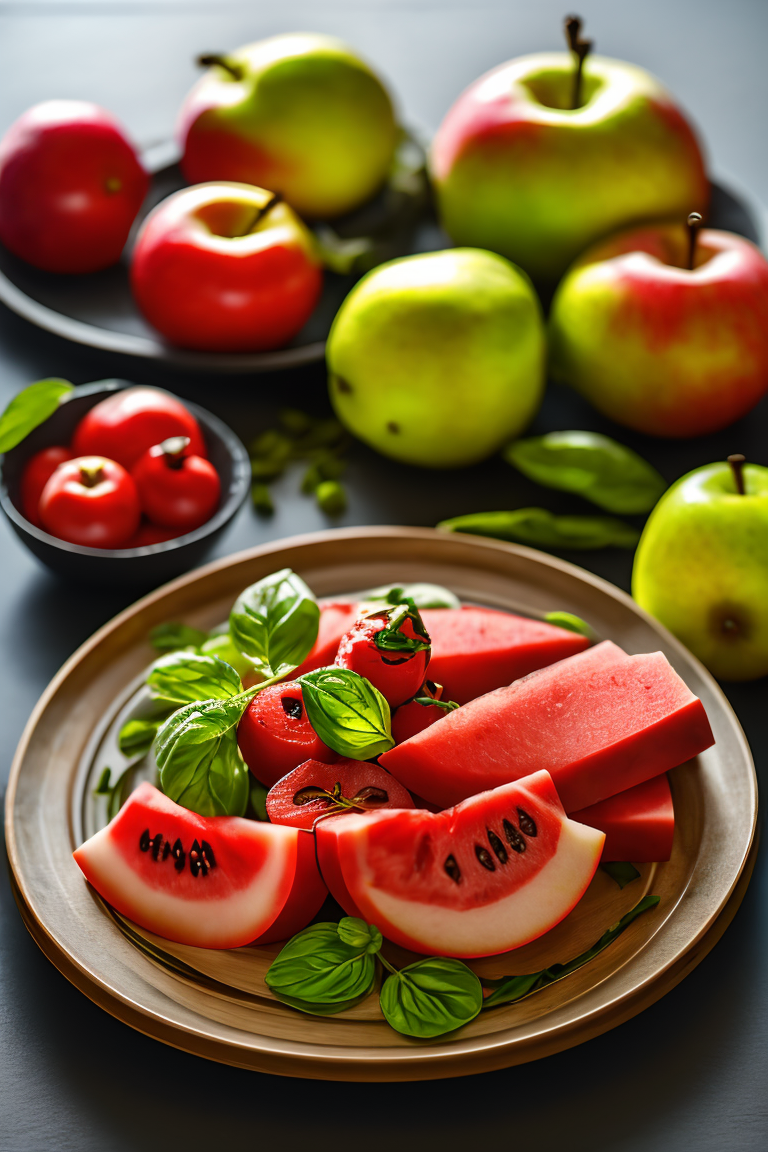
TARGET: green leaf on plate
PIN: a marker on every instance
(200, 763)
(570, 622)
(274, 623)
(172, 637)
(622, 872)
(220, 644)
(508, 989)
(184, 677)
(592, 465)
(431, 997)
(543, 529)
(30, 408)
(347, 712)
(357, 934)
(319, 972)
(422, 595)
(137, 736)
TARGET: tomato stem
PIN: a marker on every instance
(173, 450)
(91, 473)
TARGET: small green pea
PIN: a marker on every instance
(331, 497)
(262, 499)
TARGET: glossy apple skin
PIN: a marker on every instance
(701, 568)
(206, 277)
(518, 171)
(71, 184)
(438, 359)
(307, 119)
(658, 347)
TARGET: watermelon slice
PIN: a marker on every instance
(475, 650)
(336, 618)
(215, 882)
(486, 876)
(639, 824)
(600, 722)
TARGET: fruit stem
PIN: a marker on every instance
(694, 222)
(91, 474)
(737, 462)
(173, 450)
(580, 49)
(211, 59)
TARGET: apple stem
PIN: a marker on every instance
(737, 462)
(173, 450)
(275, 198)
(581, 49)
(695, 220)
(211, 59)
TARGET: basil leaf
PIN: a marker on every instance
(116, 793)
(172, 637)
(543, 529)
(274, 623)
(422, 595)
(622, 872)
(594, 466)
(430, 702)
(137, 736)
(357, 934)
(182, 677)
(199, 761)
(347, 712)
(431, 997)
(509, 989)
(29, 409)
(220, 644)
(570, 622)
(317, 968)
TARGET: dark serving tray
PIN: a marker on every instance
(97, 309)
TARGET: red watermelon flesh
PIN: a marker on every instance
(639, 824)
(475, 650)
(214, 882)
(336, 618)
(491, 874)
(599, 722)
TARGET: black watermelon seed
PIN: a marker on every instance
(208, 854)
(144, 840)
(157, 843)
(514, 839)
(452, 868)
(179, 856)
(527, 823)
(498, 847)
(195, 862)
(166, 850)
(485, 857)
(292, 707)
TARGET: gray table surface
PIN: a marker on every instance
(690, 1072)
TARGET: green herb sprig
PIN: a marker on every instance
(543, 529)
(30, 408)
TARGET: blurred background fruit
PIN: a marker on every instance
(438, 359)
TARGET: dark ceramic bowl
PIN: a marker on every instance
(138, 567)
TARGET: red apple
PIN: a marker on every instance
(70, 187)
(227, 268)
(660, 342)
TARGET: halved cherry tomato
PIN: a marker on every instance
(92, 501)
(37, 472)
(176, 488)
(275, 735)
(126, 424)
(391, 649)
(318, 789)
(417, 714)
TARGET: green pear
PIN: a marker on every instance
(438, 359)
(701, 566)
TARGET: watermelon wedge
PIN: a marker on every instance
(475, 650)
(639, 824)
(599, 722)
(491, 874)
(215, 882)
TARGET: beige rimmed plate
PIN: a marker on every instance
(216, 1004)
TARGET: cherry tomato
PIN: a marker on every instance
(176, 488)
(37, 472)
(147, 534)
(91, 501)
(317, 789)
(71, 185)
(416, 715)
(125, 425)
(391, 649)
(275, 735)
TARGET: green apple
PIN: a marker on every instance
(438, 359)
(298, 114)
(520, 170)
(701, 567)
(663, 332)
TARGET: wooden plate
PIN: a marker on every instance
(215, 1004)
